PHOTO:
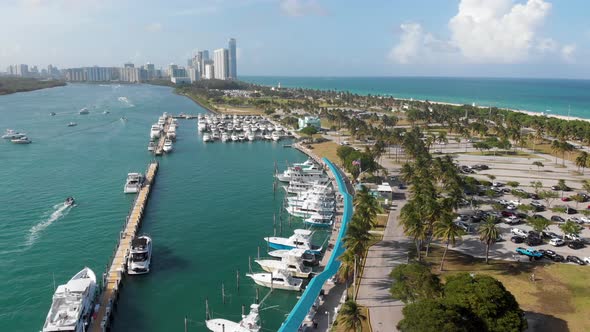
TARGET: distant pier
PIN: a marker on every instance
(113, 277)
(160, 147)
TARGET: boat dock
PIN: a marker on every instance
(112, 278)
(160, 147)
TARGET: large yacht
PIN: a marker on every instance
(133, 183)
(84, 111)
(140, 256)
(207, 138)
(167, 146)
(21, 140)
(171, 134)
(155, 131)
(12, 134)
(301, 239)
(249, 323)
(292, 262)
(71, 308)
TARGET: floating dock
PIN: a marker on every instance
(113, 277)
(160, 147)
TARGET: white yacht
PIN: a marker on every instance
(167, 146)
(305, 257)
(72, 304)
(299, 171)
(155, 131)
(249, 323)
(140, 256)
(171, 134)
(279, 280)
(234, 137)
(133, 183)
(275, 136)
(301, 239)
(161, 121)
(201, 125)
(207, 138)
(12, 134)
(72, 124)
(296, 187)
(267, 137)
(21, 140)
(151, 146)
(251, 137)
(224, 137)
(291, 262)
(84, 111)
(319, 220)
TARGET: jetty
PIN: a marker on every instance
(160, 147)
(113, 277)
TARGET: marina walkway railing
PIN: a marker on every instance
(316, 284)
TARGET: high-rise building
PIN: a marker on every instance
(129, 65)
(233, 61)
(220, 61)
(209, 71)
(151, 71)
(193, 74)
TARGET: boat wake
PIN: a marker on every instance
(59, 211)
(126, 101)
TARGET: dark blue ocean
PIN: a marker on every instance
(536, 95)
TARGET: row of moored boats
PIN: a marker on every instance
(157, 130)
(238, 128)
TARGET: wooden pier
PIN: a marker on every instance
(160, 147)
(113, 277)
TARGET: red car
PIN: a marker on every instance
(566, 199)
(510, 214)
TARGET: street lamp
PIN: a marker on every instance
(328, 313)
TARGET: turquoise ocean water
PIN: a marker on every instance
(536, 95)
(210, 207)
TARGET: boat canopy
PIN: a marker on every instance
(303, 232)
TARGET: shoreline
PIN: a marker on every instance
(36, 88)
(196, 101)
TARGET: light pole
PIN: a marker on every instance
(328, 313)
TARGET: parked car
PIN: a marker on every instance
(517, 239)
(533, 240)
(564, 188)
(463, 226)
(573, 237)
(585, 219)
(552, 255)
(497, 184)
(507, 213)
(512, 220)
(587, 260)
(519, 232)
(522, 192)
(570, 210)
(511, 207)
(575, 259)
(565, 199)
(529, 252)
(550, 235)
(534, 196)
(576, 220)
(557, 219)
(539, 216)
(576, 245)
(556, 242)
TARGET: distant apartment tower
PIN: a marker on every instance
(151, 71)
(193, 74)
(233, 60)
(220, 61)
(209, 71)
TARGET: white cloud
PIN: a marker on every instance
(568, 52)
(417, 45)
(302, 7)
(497, 31)
(154, 27)
(545, 45)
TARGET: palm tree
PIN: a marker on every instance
(447, 230)
(347, 268)
(366, 206)
(350, 316)
(357, 236)
(582, 160)
(556, 148)
(488, 233)
(413, 225)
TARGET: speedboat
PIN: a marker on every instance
(69, 201)
(151, 146)
(133, 183)
(279, 280)
(72, 124)
(171, 134)
(301, 239)
(106, 112)
(21, 140)
(52, 113)
(84, 111)
(207, 138)
(167, 146)
(291, 262)
(71, 309)
(234, 137)
(140, 255)
(249, 323)
(155, 131)
(320, 220)
(11, 134)
(251, 137)
(224, 137)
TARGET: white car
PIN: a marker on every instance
(512, 220)
(511, 207)
(519, 232)
(497, 184)
(572, 237)
(503, 202)
(586, 259)
(556, 242)
(536, 204)
(515, 202)
(585, 220)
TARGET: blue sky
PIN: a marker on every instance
(500, 38)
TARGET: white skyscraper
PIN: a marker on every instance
(220, 61)
(209, 71)
(233, 61)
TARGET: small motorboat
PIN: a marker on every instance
(12, 134)
(52, 113)
(72, 124)
(84, 111)
(151, 146)
(141, 255)
(70, 201)
(106, 112)
(21, 140)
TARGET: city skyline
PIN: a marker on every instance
(504, 38)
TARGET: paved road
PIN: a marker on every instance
(385, 312)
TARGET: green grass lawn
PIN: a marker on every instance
(560, 290)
